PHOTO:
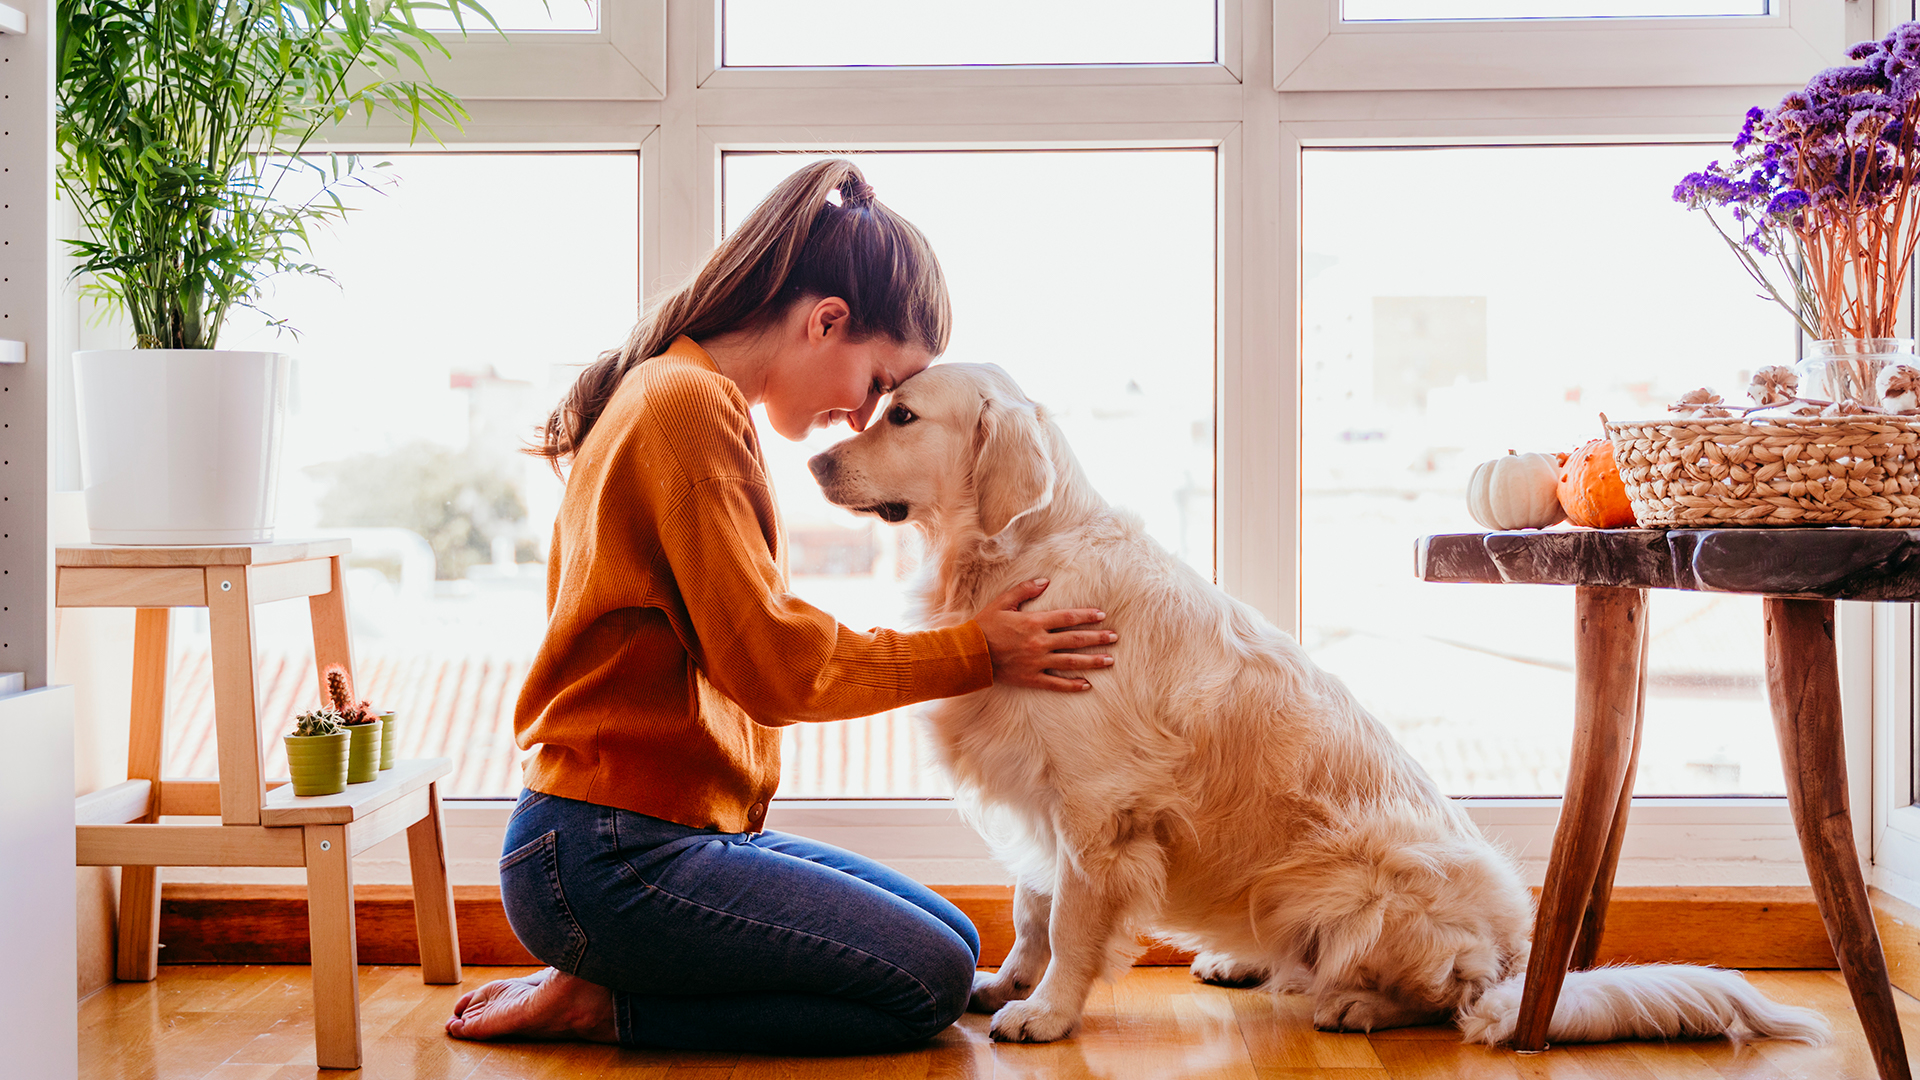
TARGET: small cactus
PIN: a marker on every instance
(317, 722)
(340, 694)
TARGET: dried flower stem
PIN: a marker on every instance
(1823, 184)
(1858, 247)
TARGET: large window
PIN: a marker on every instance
(1522, 294)
(1406, 10)
(467, 291)
(1089, 276)
(879, 33)
(520, 17)
(1341, 251)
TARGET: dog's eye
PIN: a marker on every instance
(900, 414)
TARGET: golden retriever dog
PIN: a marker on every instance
(1215, 789)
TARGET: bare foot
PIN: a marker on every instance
(547, 1004)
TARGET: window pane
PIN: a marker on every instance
(521, 16)
(1409, 10)
(1089, 276)
(903, 33)
(1461, 302)
(469, 293)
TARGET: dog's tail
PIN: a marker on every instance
(1652, 1001)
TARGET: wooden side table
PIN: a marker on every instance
(1800, 573)
(120, 826)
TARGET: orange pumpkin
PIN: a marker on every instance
(1591, 489)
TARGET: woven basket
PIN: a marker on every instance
(1777, 471)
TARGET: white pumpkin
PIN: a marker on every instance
(1519, 491)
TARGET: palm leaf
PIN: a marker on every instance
(169, 112)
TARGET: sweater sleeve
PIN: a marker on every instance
(782, 659)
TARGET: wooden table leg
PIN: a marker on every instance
(1803, 685)
(1587, 948)
(433, 919)
(236, 701)
(332, 639)
(138, 949)
(1608, 649)
(336, 974)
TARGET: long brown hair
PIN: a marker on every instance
(795, 245)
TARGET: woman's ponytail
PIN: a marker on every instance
(797, 243)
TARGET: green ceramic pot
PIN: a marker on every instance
(364, 762)
(389, 741)
(318, 763)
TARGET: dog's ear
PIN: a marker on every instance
(1013, 473)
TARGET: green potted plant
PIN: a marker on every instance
(177, 122)
(361, 722)
(361, 712)
(389, 738)
(317, 753)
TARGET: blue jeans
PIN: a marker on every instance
(733, 941)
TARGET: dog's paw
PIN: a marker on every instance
(1219, 969)
(1032, 1022)
(994, 989)
(1347, 1010)
(1367, 1010)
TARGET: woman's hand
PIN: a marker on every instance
(1026, 647)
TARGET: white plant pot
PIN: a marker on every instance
(181, 446)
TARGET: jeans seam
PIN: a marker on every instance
(932, 998)
(525, 851)
(532, 799)
(623, 1018)
(579, 951)
(547, 847)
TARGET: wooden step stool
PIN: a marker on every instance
(120, 826)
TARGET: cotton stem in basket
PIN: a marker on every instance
(1701, 402)
(1899, 388)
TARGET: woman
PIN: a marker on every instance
(636, 864)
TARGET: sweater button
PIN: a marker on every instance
(758, 811)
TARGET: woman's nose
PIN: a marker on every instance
(858, 420)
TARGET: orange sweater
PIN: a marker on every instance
(674, 652)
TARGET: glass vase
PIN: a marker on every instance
(1848, 369)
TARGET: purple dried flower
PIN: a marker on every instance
(1815, 180)
(1868, 101)
(1841, 81)
(1790, 201)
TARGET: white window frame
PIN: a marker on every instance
(1893, 680)
(625, 59)
(1315, 49)
(1286, 80)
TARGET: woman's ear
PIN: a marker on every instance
(826, 318)
(1013, 472)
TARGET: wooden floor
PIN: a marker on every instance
(256, 1023)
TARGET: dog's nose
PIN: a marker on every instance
(822, 466)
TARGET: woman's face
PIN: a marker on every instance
(826, 377)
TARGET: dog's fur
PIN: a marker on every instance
(1214, 787)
